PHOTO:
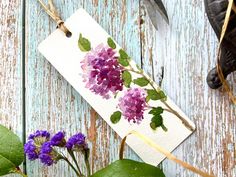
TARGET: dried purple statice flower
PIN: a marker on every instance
(31, 150)
(35, 140)
(77, 142)
(47, 154)
(46, 159)
(58, 139)
(133, 104)
(40, 135)
(102, 72)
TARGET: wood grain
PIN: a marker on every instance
(186, 48)
(11, 66)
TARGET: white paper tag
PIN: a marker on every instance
(96, 74)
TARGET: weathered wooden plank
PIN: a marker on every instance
(187, 49)
(51, 103)
(11, 65)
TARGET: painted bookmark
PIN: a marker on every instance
(110, 81)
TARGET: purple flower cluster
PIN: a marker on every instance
(41, 146)
(77, 142)
(133, 104)
(102, 72)
(40, 134)
(30, 150)
(46, 155)
(58, 139)
(35, 140)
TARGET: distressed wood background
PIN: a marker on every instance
(33, 95)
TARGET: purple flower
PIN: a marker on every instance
(46, 155)
(58, 139)
(102, 72)
(77, 142)
(46, 148)
(46, 159)
(35, 140)
(31, 150)
(40, 133)
(133, 104)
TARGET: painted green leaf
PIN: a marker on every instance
(157, 121)
(11, 151)
(127, 78)
(129, 168)
(153, 125)
(115, 117)
(154, 95)
(147, 99)
(123, 54)
(156, 111)
(141, 81)
(123, 62)
(84, 44)
(111, 43)
(124, 58)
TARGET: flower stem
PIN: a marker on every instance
(18, 171)
(74, 159)
(72, 166)
(86, 159)
(171, 110)
(186, 123)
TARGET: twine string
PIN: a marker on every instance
(52, 12)
(225, 84)
(163, 151)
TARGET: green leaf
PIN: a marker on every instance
(123, 54)
(154, 95)
(129, 168)
(11, 151)
(127, 78)
(141, 81)
(123, 62)
(124, 58)
(147, 99)
(111, 43)
(153, 125)
(157, 121)
(115, 117)
(84, 44)
(156, 111)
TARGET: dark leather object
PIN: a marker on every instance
(216, 10)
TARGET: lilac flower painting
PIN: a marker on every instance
(133, 104)
(102, 72)
(108, 72)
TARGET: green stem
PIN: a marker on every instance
(70, 164)
(186, 123)
(171, 110)
(87, 166)
(75, 161)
